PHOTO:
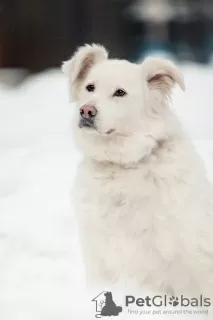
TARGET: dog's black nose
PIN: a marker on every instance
(88, 111)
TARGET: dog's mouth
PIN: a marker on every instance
(90, 124)
(87, 123)
(110, 131)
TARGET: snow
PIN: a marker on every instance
(39, 252)
(41, 271)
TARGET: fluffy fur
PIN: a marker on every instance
(142, 197)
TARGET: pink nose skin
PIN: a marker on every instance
(88, 111)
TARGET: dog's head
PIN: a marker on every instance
(108, 295)
(122, 108)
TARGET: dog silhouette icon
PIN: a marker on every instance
(110, 308)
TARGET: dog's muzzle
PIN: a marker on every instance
(86, 123)
(87, 114)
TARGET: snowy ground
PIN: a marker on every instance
(41, 273)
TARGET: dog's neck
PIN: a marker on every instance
(130, 155)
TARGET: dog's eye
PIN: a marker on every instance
(119, 93)
(90, 87)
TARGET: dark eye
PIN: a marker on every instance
(90, 87)
(119, 93)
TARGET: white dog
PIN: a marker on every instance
(144, 204)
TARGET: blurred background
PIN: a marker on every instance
(38, 34)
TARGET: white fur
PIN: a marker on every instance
(142, 197)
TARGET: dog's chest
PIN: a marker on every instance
(138, 188)
(118, 201)
(131, 215)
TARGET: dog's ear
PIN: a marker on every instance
(81, 62)
(162, 74)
